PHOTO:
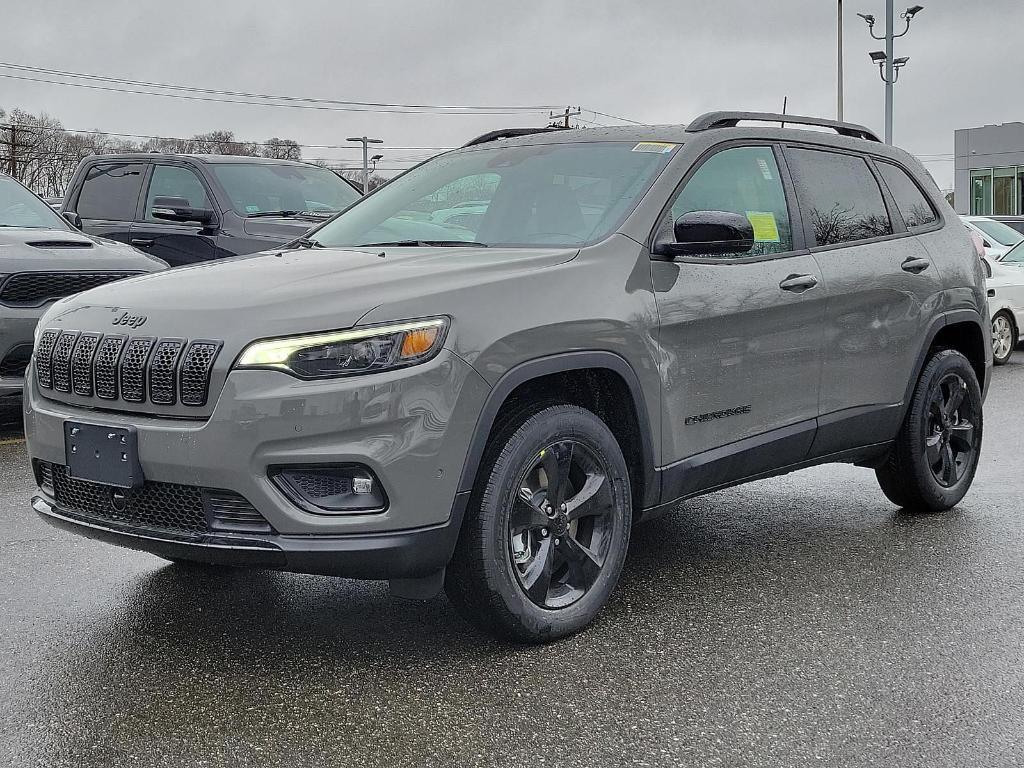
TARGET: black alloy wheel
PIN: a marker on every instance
(949, 440)
(560, 524)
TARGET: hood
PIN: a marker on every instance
(58, 250)
(290, 292)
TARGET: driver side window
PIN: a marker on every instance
(743, 180)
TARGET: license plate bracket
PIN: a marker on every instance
(99, 454)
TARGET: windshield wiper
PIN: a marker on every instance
(424, 244)
(308, 242)
(262, 214)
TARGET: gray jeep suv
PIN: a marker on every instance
(637, 316)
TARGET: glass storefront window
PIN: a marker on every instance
(981, 193)
(1020, 190)
(1004, 201)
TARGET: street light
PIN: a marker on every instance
(366, 165)
(374, 160)
(888, 67)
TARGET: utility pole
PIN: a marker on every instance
(888, 66)
(569, 112)
(839, 72)
(366, 142)
(12, 154)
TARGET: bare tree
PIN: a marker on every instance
(39, 152)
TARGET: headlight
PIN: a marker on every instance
(347, 353)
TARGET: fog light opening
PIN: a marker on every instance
(330, 488)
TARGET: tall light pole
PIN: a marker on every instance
(839, 72)
(366, 142)
(888, 66)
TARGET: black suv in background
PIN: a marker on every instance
(191, 208)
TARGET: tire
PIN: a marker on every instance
(509, 542)
(1004, 337)
(936, 452)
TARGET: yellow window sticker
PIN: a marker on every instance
(660, 147)
(765, 228)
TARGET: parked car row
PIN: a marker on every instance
(1002, 251)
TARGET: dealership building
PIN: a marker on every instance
(989, 170)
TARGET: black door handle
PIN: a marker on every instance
(915, 265)
(798, 283)
(142, 242)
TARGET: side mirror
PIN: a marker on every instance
(179, 209)
(709, 232)
(986, 266)
(73, 219)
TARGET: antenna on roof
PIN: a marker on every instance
(785, 100)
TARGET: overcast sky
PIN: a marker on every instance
(657, 61)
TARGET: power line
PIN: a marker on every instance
(239, 142)
(614, 117)
(190, 93)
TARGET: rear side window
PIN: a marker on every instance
(111, 192)
(175, 181)
(838, 196)
(743, 180)
(917, 212)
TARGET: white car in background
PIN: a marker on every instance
(1005, 286)
(998, 238)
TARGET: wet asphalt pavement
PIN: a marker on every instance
(797, 621)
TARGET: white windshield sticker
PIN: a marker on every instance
(660, 147)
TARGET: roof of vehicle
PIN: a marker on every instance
(679, 134)
(208, 159)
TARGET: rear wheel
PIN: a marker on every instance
(546, 533)
(936, 452)
(1004, 337)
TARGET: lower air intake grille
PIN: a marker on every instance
(178, 509)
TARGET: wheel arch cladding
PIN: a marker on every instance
(601, 382)
(968, 338)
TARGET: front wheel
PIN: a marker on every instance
(1004, 337)
(547, 529)
(935, 454)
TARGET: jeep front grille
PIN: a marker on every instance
(32, 289)
(178, 509)
(132, 369)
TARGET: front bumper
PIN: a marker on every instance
(17, 327)
(410, 427)
(409, 554)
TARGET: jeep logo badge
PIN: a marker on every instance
(132, 321)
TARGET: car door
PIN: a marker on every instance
(882, 290)
(177, 243)
(741, 333)
(108, 197)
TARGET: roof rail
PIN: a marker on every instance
(711, 120)
(508, 133)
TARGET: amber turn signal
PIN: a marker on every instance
(418, 342)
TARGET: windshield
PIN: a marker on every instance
(20, 208)
(549, 194)
(265, 188)
(1015, 255)
(998, 231)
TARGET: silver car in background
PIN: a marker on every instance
(43, 259)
